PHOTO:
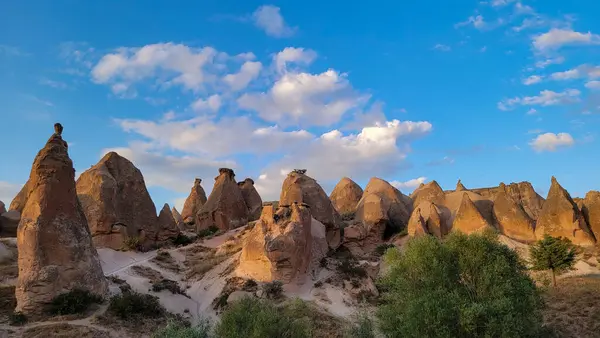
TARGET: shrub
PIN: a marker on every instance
(133, 304)
(250, 285)
(258, 318)
(273, 290)
(382, 248)
(167, 284)
(182, 240)
(349, 268)
(132, 243)
(17, 318)
(347, 216)
(468, 286)
(554, 254)
(178, 330)
(363, 328)
(72, 302)
(208, 232)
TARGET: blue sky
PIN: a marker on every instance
(503, 90)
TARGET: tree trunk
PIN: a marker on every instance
(553, 278)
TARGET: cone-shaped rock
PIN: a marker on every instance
(460, 186)
(468, 219)
(225, 207)
(591, 212)
(55, 249)
(2, 208)
(436, 224)
(511, 219)
(285, 244)
(116, 203)
(560, 216)
(345, 196)
(299, 187)
(194, 202)
(252, 199)
(428, 220)
(430, 192)
(167, 227)
(522, 193)
(178, 219)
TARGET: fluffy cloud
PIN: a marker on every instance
(500, 3)
(546, 98)
(441, 47)
(557, 38)
(591, 72)
(304, 98)
(293, 55)
(212, 103)
(593, 85)
(240, 80)
(551, 141)
(409, 185)
(8, 191)
(269, 19)
(477, 21)
(533, 79)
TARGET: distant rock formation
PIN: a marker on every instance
(285, 244)
(460, 186)
(55, 249)
(468, 219)
(560, 216)
(299, 187)
(345, 196)
(511, 218)
(381, 211)
(522, 193)
(2, 207)
(194, 202)
(252, 199)
(116, 203)
(430, 192)
(178, 219)
(591, 212)
(429, 219)
(225, 207)
(9, 220)
(167, 227)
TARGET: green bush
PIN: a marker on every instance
(258, 318)
(133, 304)
(349, 268)
(556, 254)
(178, 330)
(364, 327)
(467, 286)
(250, 285)
(382, 248)
(182, 240)
(72, 302)
(132, 243)
(273, 290)
(17, 318)
(208, 232)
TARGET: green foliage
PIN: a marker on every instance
(382, 248)
(132, 243)
(132, 304)
(72, 302)
(347, 216)
(467, 286)
(556, 254)
(258, 318)
(208, 232)
(17, 318)
(182, 240)
(250, 285)
(178, 330)
(363, 328)
(273, 290)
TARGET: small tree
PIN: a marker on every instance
(556, 254)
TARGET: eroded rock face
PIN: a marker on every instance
(193, 203)
(285, 244)
(225, 207)
(591, 212)
(511, 218)
(167, 227)
(345, 196)
(430, 192)
(252, 199)
(8, 221)
(428, 219)
(55, 249)
(560, 216)
(460, 186)
(178, 219)
(300, 188)
(468, 219)
(521, 193)
(2, 208)
(116, 203)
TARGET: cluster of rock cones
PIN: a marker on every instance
(61, 221)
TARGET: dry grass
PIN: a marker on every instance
(64, 330)
(147, 272)
(323, 323)
(573, 308)
(166, 261)
(199, 260)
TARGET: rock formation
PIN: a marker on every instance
(428, 219)
(511, 218)
(193, 203)
(285, 244)
(380, 212)
(430, 192)
(55, 249)
(300, 188)
(252, 199)
(560, 216)
(225, 207)
(460, 186)
(591, 212)
(9, 220)
(167, 227)
(468, 219)
(522, 193)
(178, 219)
(116, 203)
(2, 208)
(345, 196)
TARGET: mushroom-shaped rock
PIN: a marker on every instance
(591, 212)
(560, 216)
(116, 203)
(460, 186)
(178, 219)
(299, 187)
(430, 192)
(167, 227)
(285, 244)
(511, 219)
(252, 199)
(468, 219)
(345, 196)
(194, 202)
(225, 207)
(55, 249)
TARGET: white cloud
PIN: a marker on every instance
(409, 185)
(551, 142)
(521, 9)
(533, 79)
(546, 98)
(8, 191)
(557, 38)
(269, 19)
(293, 55)
(240, 80)
(500, 3)
(441, 47)
(591, 72)
(551, 61)
(593, 85)
(476, 20)
(212, 103)
(303, 98)
(532, 111)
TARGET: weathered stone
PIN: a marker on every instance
(511, 218)
(345, 196)
(430, 192)
(522, 193)
(178, 219)
(194, 202)
(55, 249)
(591, 212)
(9, 222)
(252, 199)
(167, 227)
(300, 188)
(117, 204)
(468, 219)
(560, 216)
(2, 208)
(225, 207)
(428, 219)
(460, 186)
